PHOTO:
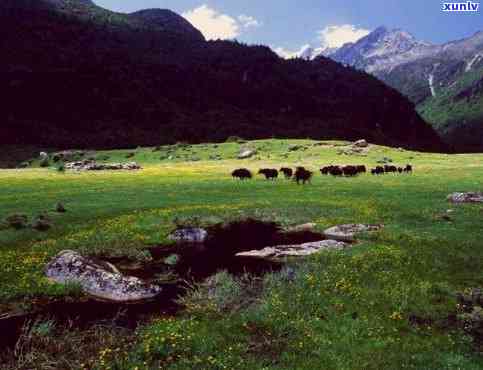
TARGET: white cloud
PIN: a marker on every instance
(289, 54)
(331, 37)
(247, 21)
(336, 36)
(216, 25)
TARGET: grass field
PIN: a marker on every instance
(385, 304)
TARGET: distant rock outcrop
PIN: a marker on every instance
(88, 165)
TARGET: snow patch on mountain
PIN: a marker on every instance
(431, 84)
(470, 64)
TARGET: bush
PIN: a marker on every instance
(45, 162)
(235, 139)
(41, 223)
(17, 221)
(61, 168)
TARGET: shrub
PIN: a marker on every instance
(59, 207)
(17, 221)
(45, 162)
(235, 139)
(41, 223)
(61, 168)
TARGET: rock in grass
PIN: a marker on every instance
(470, 197)
(347, 233)
(17, 221)
(189, 235)
(59, 207)
(297, 250)
(361, 143)
(98, 280)
(301, 228)
(246, 153)
(41, 223)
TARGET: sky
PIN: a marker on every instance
(290, 25)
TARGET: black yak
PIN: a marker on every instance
(287, 172)
(408, 168)
(361, 169)
(242, 174)
(325, 170)
(350, 170)
(336, 171)
(301, 174)
(378, 170)
(269, 173)
(389, 169)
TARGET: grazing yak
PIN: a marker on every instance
(350, 171)
(287, 172)
(301, 174)
(390, 169)
(361, 169)
(242, 174)
(378, 170)
(331, 170)
(336, 171)
(269, 173)
(343, 170)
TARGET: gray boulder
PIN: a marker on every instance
(297, 250)
(361, 143)
(246, 153)
(347, 233)
(189, 235)
(102, 281)
(470, 197)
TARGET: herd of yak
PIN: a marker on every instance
(302, 175)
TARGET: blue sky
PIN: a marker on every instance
(290, 24)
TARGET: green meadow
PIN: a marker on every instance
(387, 303)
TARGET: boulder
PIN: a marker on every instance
(297, 250)
(347, 233)
(361, 143)
(189, 235)
(470, 197)
(98, 280)
(246, 153)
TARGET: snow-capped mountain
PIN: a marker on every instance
(445, 81)
(382, 49)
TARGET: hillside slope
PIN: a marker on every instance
(78, 75)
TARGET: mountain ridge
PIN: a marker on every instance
(117, 80)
